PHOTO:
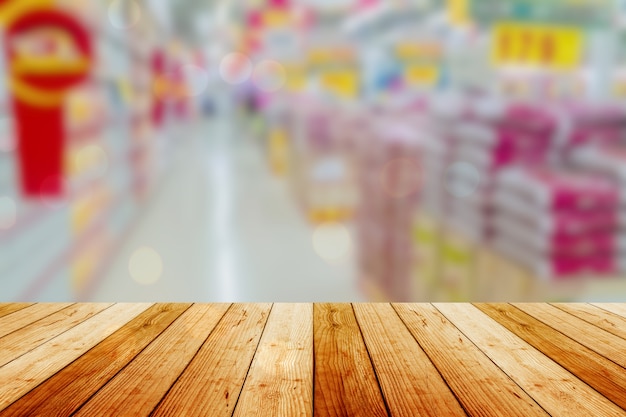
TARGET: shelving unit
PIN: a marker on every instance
(114, 161)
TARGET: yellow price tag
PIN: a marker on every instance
(458, 11)
(421, 75)
(418, 51)
(323, 56)
(556, 47)
(344, 83)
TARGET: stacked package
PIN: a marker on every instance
(389, 184)
(437, 143)
(610, 161)
(583, 124)
(492, 137)
(556, 223)
(323, 167)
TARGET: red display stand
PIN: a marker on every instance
(39, 82)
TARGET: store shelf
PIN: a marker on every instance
(357, 359)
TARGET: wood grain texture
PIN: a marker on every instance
(28, 315)
(603, 319)
(307, 360)
(615, 308)
(29, 337)
(600, 373)
(345, 383)
(481, 387)
(139, 387)
(70, 388)
(212, 382)
(600, 341)
(409, 381)
(280, 379)
(26, 372)
(557, 391)
(6, 309)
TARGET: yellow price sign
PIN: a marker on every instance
(325, 56)
(418, 51)
(458, 11)
(421, 75)
(344, 83)
(556, 47)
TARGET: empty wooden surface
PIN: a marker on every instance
(312, 360)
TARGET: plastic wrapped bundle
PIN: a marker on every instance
(390, 181)
(557, 223)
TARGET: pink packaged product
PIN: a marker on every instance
(556, 222)
(607, 135)
(448, 107)
(556, 267)
(530, 117)
(559, 190)
(494, 159)
(535, 119)
(589, 123)
(609, 160)
(500, 138)
(602, 241)
(588, 115)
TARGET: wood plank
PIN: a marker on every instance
(6, 309)
(345, 383)
(28, 315)
(557, 391)
(139, 387)
(481, 387)
(29, 370)
(29, 337)
(605, 320)
(615, 308)
(280, 379)
(596, 339)
(212, 382)
(410, 383)
(600, 373)
(70, 388)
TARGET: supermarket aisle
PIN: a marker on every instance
(224, 230)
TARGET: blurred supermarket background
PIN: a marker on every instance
(313, 150)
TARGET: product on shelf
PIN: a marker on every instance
(323, 166)
(557, 223)
(390, 184)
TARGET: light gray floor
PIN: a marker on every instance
(227, 230)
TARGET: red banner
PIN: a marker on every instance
(37, 45)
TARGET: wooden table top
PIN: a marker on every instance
(313, 359)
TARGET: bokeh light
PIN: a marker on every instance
(332, 241)
(235, 68)
(145, 266)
